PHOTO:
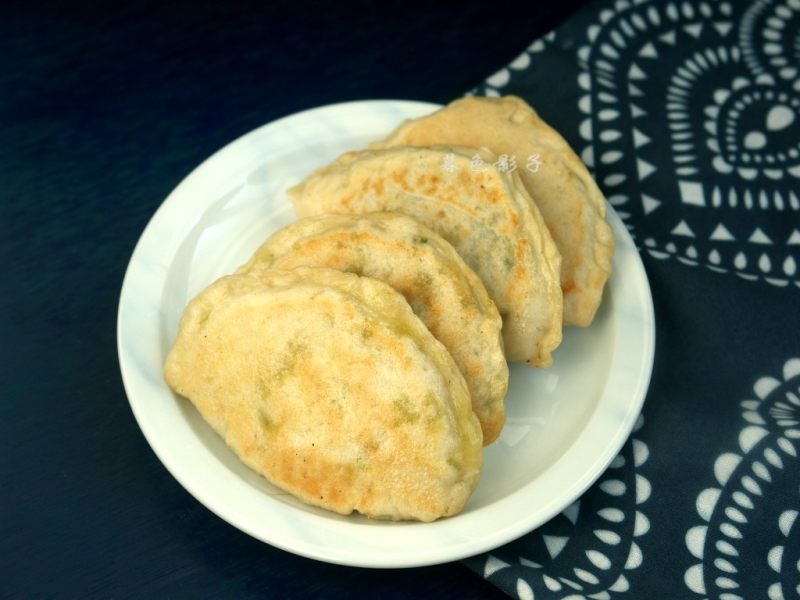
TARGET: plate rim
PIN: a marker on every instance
(413, 557)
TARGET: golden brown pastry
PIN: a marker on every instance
(441, 289)
(484, 213)
(327, 384)
(572, 205)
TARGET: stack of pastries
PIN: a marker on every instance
(358, 360)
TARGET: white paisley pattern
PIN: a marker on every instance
(586, 551)
(741, 526)
(693, 177)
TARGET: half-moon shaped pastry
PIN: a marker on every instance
(327, 384)
(485, 214)
(441, 289)
(572, 205)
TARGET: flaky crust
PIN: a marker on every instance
(572, 205)
(484, 213)
(441, 289)
(329, 386)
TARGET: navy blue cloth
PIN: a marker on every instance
(688, 114)
(685, 111)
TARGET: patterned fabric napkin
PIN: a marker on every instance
(688, 114)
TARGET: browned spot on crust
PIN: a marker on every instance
(314, 478)
(400, 177)
(519, 258)
(492, 194)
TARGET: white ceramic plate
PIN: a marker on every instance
(565, 424)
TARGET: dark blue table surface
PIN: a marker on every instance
(103, 110)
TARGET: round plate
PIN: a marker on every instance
(564, 424)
